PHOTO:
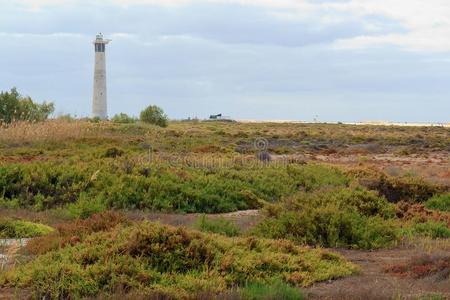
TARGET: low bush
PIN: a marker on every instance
(123, 118)
(430, 229)
(183, 188)
(395, 189)
(352, 218)
(151, 258)
(423, 266)
(330, 227)
(85, 206)
(274, 291)
(439, 202)
(75, 232)
(219, 225)
(10, 229)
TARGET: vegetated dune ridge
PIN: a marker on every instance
(151, 259)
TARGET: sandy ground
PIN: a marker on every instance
(374, 283)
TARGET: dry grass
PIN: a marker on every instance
(8, 261)
(426, 245)
(20, 133)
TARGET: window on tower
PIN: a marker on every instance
(99, 47)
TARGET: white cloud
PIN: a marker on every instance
(426, 23)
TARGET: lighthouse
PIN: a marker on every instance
(99, 99)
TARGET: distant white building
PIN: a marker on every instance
(99, 100)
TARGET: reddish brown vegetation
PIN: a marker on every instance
(418, 212)
(423, 266)
(73, 232)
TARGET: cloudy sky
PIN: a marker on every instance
(341, 60)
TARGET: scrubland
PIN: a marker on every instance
(321, 194)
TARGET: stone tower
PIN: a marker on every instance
(99, 102)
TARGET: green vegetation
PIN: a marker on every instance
(439, 202)
(148, 258)
(15, 229)
(14, 107)
(123, 118)
(220, 225)
(75, 231)
(275, 291)
(430, 229)
(433, 297)
(154, 115)
(344, 217)
(120, 183)
(81, 169)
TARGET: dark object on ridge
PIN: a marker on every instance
(215, 117)
(113, 152)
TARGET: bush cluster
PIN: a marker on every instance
(349, 217)
(123, 118)
(73, 232)
(430, 229)
(158, 186)
(16, 229)
(439, 202)
(149, 258)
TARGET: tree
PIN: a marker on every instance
(14, 107)
(154, 115)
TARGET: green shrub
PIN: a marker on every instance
(276, 291)
(365, 202)
(354, 218)
(220, 225)
(330, 226)
(432, 297)
(10, 228)
(86, 206)
(123, 118)
(166, 187)
(439, 202)
(148, 258)
(154, 115)
(431, 229)
(42, 186)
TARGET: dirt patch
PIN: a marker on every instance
(375, 283)
(243, 219)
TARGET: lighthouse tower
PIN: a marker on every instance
(99, 103)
